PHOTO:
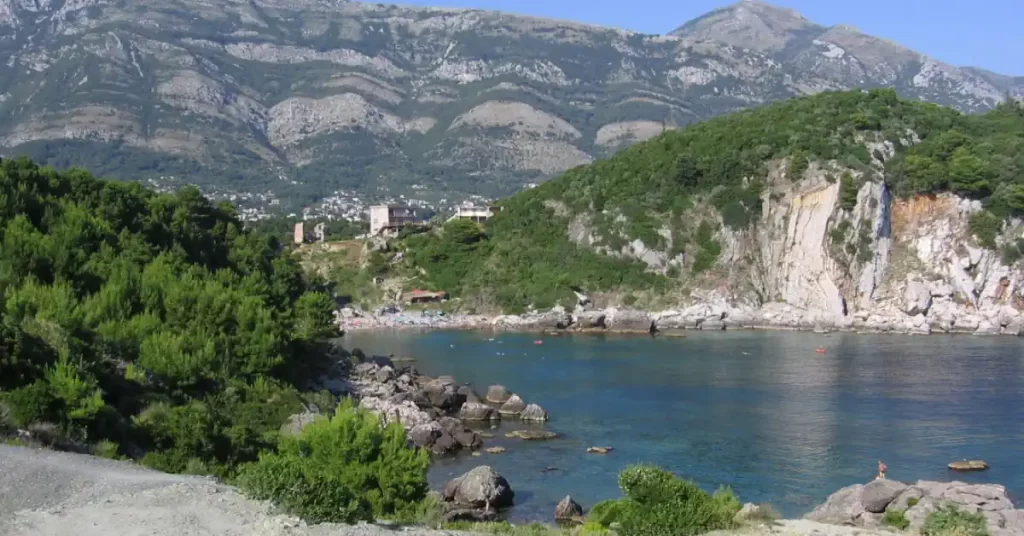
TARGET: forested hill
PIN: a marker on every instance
(651, 219)
(134, 323)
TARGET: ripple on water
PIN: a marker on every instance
(758, 411)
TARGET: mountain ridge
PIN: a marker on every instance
(302, 101)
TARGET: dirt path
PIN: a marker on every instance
(45, 493)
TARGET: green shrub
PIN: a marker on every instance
(912, 502)
(106, 449)
(658, 502)
(607, 512)
(986, 227)
(896, 519)
(32, 403)
(847, 192)
(345, 469)
(951, 521)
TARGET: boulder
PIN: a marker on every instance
(298, 422)
(440, 395)
(406, 413)
(468, 439)
(751, 511)
(532, 435)
(481, 487)
(384, 374)
(533, 412)
(568, 510)
(467, 394)
(473, 411)
(841, 508)
(628, 320)
(599, 450)
(495, 450)
(590, 320)
(424, 435)
(903, 500)
(513, 406)
(498, 394)
(445, 444)
(879, 493)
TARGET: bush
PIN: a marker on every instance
(847, 192)
(658, 502)
(951, 521)
(896, 519)
(986, 227)
(344, 469)
(912, 502)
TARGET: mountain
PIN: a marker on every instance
(293, 101)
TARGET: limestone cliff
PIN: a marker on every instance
(885, 264)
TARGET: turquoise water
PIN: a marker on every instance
(758, 411)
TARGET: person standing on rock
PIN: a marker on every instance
(881, 470)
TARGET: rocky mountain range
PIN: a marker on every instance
(303, 98)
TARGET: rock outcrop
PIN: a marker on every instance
(568, 510)
(864, 505)
(482, 487)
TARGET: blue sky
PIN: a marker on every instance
(980, 33)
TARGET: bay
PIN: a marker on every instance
(760, 412)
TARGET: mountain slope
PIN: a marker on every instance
(829, 206)
(299, 99)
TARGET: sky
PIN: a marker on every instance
(978, 33)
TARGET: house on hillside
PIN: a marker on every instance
(476, 214)
(386, 219)
(425, 296)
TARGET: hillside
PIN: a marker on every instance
(831, 204)
(295, 101)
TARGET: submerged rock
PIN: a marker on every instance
(532, 435)
(968, 465)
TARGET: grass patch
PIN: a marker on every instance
(896, 519)
(951, 521)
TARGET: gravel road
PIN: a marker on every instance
(46, 493)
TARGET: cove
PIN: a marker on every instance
(761, 412)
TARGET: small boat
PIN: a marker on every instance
(820, 350)
(538, 342)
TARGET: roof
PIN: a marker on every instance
(417, 293)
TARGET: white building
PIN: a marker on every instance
(474, 213)
(384, 218)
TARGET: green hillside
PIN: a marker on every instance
(147, 325)
(675, 192)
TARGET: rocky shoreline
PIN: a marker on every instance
(946, 318)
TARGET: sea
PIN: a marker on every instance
(764, 413)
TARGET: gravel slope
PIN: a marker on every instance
(46, 493)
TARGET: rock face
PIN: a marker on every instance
(862, 505)
(481, 487)
(568, 510)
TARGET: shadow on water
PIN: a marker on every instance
(761, 412)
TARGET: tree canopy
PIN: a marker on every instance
(147, 323)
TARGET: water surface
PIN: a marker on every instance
(758, 411)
